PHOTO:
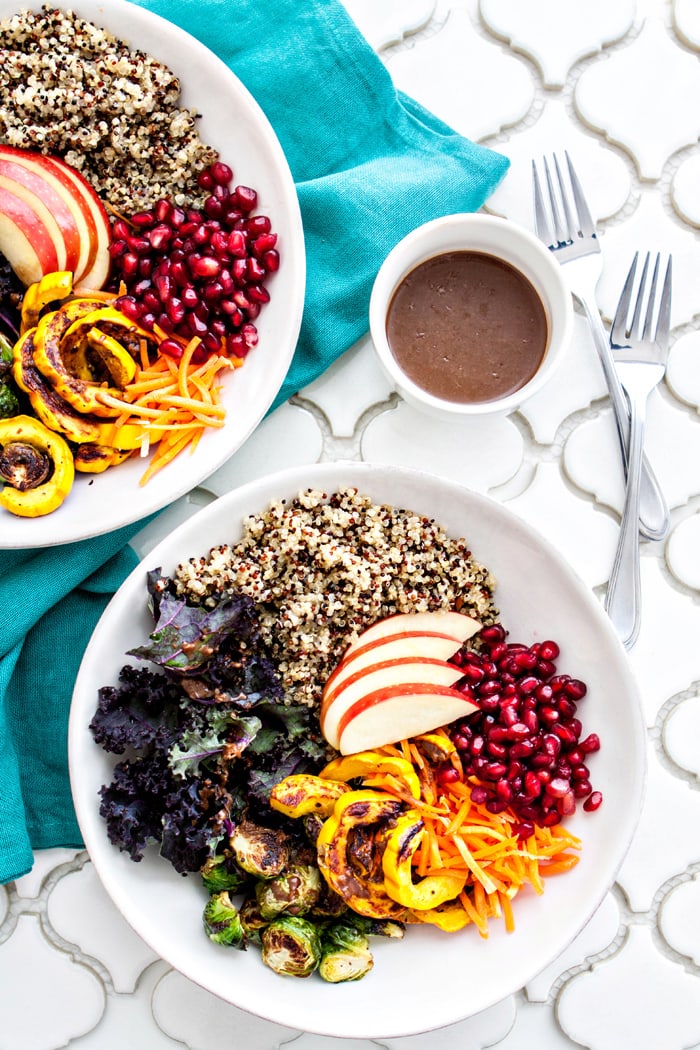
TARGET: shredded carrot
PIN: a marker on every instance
(462, 837)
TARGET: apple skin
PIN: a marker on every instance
(414, 644)
(46, 192)
(96, 275)
(458, 625)
(24, 240)
(69, 207)
(410, 671)
(398, 712)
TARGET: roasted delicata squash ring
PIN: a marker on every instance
(52, 288)
(53, 411)
(36, 465)
(90, 458)
(302, 793)
(358, 809)
(371, 764)
(429, 892)
(77, 351)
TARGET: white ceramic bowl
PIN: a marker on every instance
(429, 979)
(234, 124)
(490, 235)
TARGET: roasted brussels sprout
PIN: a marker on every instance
(251, 920)
(345, 954)
(291, 946)
(294, 892)
(261, 851)
(222, 922)
(222, 873)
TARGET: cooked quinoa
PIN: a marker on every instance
(74, 90)
(322, 568)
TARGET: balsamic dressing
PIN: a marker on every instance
(467, 326)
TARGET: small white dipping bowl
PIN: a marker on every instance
(490, 235)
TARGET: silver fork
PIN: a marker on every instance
(640, 348)
(569, 232)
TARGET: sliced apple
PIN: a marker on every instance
(39, 174)
(458, 625)
(52, 178)
(18, 175)
(24, 241)
(413, 672)
(97, 273)
(381, 650)
(398, 712)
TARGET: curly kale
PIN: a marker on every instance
(207, 734)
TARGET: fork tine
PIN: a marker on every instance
(635, 324)
(663, 325)
(561, 235)
(647, 331)
(543, 226)
(572, 222)
(619, 329)
(586, 224)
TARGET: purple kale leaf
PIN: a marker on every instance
(187, 636)
(144, 710)
(132, 805)
(196, 813)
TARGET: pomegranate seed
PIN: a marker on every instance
(162, 210)
(171, 348)
(551, 818)
(528, 684)
(523, 749)
(120, 230)
(525, 661)
(221, 193)
(576, 689)
(593, 801)
(236, 345)
(544, 693)
(567, 804)
(175, 310)
(504, 791)
(565, 707)
(250, 334)
(477, 745)
(205, 266)
(525, 829)
(460, 741)
(532, 785)
(493, 633)
(582, 788)
(479, 795)
(117, 248)
(496, 750)
(205, 179)
(127, 305)
(221, 173)
(558, 787)
(591, 743)
(189, 296)
(545, 668)
(246, 199)
(213, 207)
(549, 650)
(265, 242)
(495, 770)
(473, 673)
(159, 236)
(489, 687)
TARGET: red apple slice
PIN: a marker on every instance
(409, 671)
(55, 183)
(399, 646)
(96, 275)
(25, 241)
(397, 712)
(458, 625)
(47, 192)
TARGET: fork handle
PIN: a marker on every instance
(624, 595)
(654, 519)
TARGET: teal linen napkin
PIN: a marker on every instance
(369, 165)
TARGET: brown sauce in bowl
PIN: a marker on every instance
(466, 326)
